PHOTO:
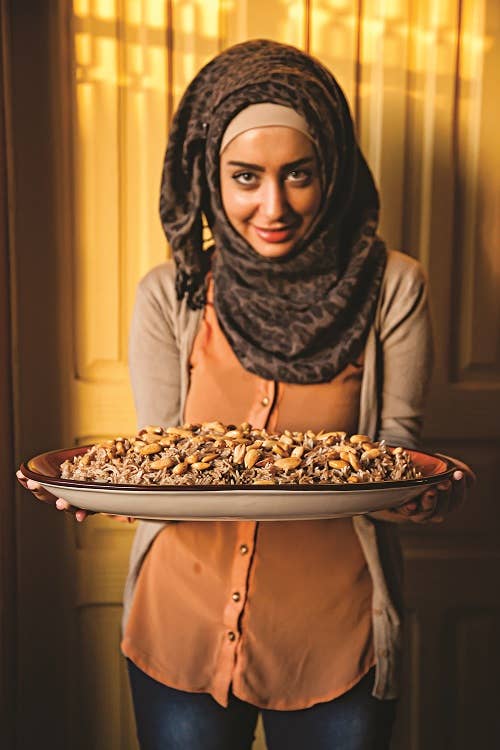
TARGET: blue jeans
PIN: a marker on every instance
(169, 719)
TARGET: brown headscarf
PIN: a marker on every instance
(303, 317)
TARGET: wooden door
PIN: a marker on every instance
(101, 82)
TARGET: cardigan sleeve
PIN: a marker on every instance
(406, 354)
(154, 358)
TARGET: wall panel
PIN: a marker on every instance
(283, 20)
(334, 37)
(421, 79)
(120, 103)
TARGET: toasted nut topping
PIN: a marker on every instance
(178, 431)
(147, 450)
(353, 460)
(215, 427)
(255, 444)
(162, 463)
(209, 456)
(369, 455)
(239, 453)
(269, 443)
(213, 453)
(287, 463)
(180, 468)
(359, 439)
(120, 449)
(279, 450)
(251, 457)
(338, 464)
(165, 441)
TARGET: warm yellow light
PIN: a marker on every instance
(155, 13)
(81, 7)
(105, 9)
(134, 11)
(83, 49)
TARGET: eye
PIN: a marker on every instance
(247, 179)
(299, 176)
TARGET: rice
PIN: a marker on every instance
(213, 453)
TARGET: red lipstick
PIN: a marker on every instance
(283, 234)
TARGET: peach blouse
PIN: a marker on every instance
(279, 613)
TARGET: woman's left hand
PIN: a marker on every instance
(433, 504)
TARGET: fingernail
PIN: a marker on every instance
(60, 504)
(32, 485)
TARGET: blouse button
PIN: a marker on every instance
(243, 549)
(231, 636)
(265, 401)
(236, 596)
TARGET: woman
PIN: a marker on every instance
(297, 317)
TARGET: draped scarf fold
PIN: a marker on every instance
(301, 318)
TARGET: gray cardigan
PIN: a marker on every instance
(397, 366)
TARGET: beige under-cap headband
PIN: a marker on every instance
(264, 115)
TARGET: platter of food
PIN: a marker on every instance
(227, 472)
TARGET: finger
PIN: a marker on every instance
(406, 508)
(80, 515)
(444, 486)
(21, 477)
(470, 476)
(428, 501)
(428, 517)
(39, 492)
(121, 519)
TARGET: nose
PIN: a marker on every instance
(274, 205)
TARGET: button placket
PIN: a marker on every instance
(238, 582)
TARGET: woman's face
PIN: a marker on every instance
(270, 188)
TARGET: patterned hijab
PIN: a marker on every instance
(301, 318)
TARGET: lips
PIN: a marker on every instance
(283, 234)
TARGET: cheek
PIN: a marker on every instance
(237, 204)
(314, 203)
(307, 205)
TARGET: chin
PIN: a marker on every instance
(274, 251)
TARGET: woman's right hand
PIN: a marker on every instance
(47, 497)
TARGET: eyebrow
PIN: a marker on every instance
(258, 168)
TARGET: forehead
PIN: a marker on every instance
(274, 144)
